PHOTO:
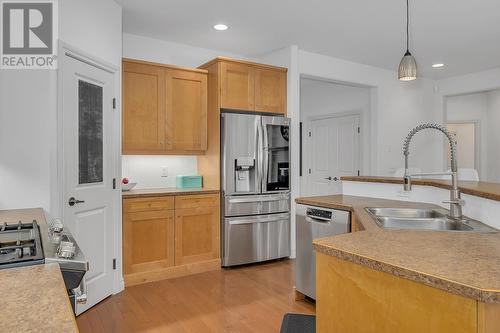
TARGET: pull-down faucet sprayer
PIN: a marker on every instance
(455, 201)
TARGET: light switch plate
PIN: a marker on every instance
(164, 171)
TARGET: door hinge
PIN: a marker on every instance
(358, 172)
(359, 130)
(114, 263)
(309, 170)
(114, 103)
(310, 134)
(114, 183)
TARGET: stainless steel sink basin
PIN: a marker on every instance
(424, 219)
(407, 212)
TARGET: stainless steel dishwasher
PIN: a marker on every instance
(311, 223)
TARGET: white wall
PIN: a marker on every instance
(460, 85)
(28, 102)
(165, 52)
(396, 107)
(146, 170)
(494, 136)
(472, 107)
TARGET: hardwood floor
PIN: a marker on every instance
(246, 299)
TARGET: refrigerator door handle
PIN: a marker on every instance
(259, 219)
(265, 157)
(259, 199)
(259, 150)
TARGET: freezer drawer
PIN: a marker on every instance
(251, 239)
(256, 204)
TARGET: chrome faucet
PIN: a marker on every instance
(455, 201)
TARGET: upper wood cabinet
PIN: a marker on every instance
(186, 111)
(144, 108)
(164, 109)
(237, 86)
(252, 87)
(270, 90)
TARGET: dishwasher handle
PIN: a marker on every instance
(318, 220)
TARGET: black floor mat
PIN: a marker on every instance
(298, 323)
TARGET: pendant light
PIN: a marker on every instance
(408, 66)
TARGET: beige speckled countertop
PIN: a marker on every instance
(34, 299)
(166, 191)
(466, 264)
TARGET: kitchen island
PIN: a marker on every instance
(380, 280)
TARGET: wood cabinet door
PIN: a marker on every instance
(237, 86)
(270, 90)
(196, 234)
(186, 111)
(148, 240)
(143, 122)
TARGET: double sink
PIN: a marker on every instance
(424, 219)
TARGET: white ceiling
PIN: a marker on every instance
(463, 34)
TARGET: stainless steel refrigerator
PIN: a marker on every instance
(255, 162)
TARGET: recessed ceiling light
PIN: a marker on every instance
(220, 27)
(437, 65)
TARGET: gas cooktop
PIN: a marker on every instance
(20, 244)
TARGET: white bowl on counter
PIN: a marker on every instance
(128, 187)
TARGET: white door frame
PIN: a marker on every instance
(307, 142)
(57, 192)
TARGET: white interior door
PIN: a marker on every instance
(87, 119)
(333, 145)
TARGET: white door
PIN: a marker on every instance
(333, 145)
(87, 112)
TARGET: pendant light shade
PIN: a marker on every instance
(408, 66)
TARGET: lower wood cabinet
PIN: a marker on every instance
(357, 299)
(165, 237)
(196, 234)
(148, 241)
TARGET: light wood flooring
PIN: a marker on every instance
(246, 299)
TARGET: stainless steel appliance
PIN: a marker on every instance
(311, 223)
(255, 188)
(30, 243)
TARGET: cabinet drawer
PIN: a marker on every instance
(194, 201)
(148, 204)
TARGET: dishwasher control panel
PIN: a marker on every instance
(319, 213)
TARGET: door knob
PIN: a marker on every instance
(328, 178)
(72, 201)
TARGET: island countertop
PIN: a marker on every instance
(34, 299)
(466, 264)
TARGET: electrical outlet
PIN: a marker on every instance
(164, 171)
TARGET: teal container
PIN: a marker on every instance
(189, 181)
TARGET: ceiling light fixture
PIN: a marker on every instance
(408, 66)
(437, 65)
(220, 27)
